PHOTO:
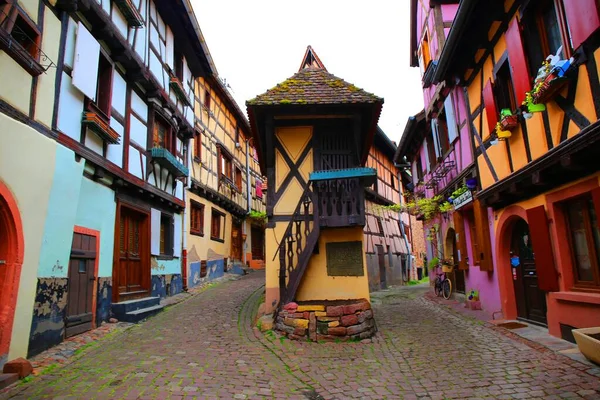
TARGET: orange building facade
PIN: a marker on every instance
(530, 73)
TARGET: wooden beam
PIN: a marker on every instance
(567, 162)
(537, 178)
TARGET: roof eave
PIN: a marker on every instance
(413, 59)
(408, 135)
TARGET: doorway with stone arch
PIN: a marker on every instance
(11, 260)
(450, 251)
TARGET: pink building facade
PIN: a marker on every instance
(438, 151)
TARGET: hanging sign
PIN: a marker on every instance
(462, 200)
(515, 261)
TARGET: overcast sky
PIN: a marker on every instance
(259, 43)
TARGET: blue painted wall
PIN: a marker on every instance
(62, 207)
(166, 285)
(97, 210)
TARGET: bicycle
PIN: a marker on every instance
(442, 286)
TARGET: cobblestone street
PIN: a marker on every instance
(205, 347)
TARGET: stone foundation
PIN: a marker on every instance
(327, 320)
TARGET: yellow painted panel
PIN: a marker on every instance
(508, 4)
(478, 54)
(573, 129)
(517, 150)
(597, 57)
(281, 169)
(44, 107)
(307, 166)
(294, 139)
(493, 29)
(488, 69)
(317, 285)
(289, 199)
(484, 173)
(537, 136)
(17, 90)
(31, 7)
(583, 99)
(203, 247)
(474, 92)
(499, 158)
(556, 117)
(500, 48)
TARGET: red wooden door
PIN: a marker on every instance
(531, 301)
(81, 284)
(133, 269)
(258, 243)
(236, 241)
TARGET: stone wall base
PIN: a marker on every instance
(338, 320)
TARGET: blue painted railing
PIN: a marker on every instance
(168, 160)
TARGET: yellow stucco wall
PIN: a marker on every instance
(16, 91)
(32, 200)
(46, 81)
(317, 285)
(203, 247)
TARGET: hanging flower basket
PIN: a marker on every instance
(501, 133)
(546, 90)
(509, 122)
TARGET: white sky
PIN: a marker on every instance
(258, 43)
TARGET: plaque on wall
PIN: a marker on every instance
(345, 259)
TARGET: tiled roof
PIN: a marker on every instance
(314, 86)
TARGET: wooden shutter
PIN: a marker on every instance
(490, 106)
(461, 241)
(87, 58)
(582, 18)
(596, 198)
(542, 249)
(450, 118)
(482, 229)
(516, 58)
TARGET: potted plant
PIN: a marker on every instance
(531, 106)
(448, 265)
(508, 120)
(588, 341)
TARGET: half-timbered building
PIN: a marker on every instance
(437, 144)
(225, 187)
(313, 133)
(529, 72)
(387, 244)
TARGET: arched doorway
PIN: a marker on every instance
(458, 276)
(531, 301)
(11, 259)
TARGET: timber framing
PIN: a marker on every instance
(217, 198)
(569, 161)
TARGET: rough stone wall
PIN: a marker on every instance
(48, 323)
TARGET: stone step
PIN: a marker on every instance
(142, 313)
(8, 379)
(120, 309)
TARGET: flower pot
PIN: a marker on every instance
(588, 345)
(503, 134)
(532, 108)
(509, 122)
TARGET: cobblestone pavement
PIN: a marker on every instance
(205, 347)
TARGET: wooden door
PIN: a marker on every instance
(458, 275)
(531, 301)
(381, 260)
(258, 243)
(236, 241)
(81, 284)
(133, 264)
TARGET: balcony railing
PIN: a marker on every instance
(164, 158)
(340, 196)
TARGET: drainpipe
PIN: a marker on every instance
(186, 185)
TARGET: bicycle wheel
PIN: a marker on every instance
(446, 288)
(437, 287)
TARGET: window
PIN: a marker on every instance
(237, 134)
(166, 235)
(162, 134)
(431, 152)
(217, 225)
(207, 99)
(178, 61)
(419, 169)
(424, 54)
(584, 236)
(104, 86)
(196, 218)
(238, 178)
(380, 225)
(504, 89)
(25, 36)
(198, 147)
(544, 31)
(443, 135)
(225, 165)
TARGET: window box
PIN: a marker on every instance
(547, 88)
(165, 159)
(131, 14)
(99, 123)
(588, 341)
(508, 120)
(21, 43)
(177, 87)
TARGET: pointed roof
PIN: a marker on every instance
(312, 84)
(311, 60)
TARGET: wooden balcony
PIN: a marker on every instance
(340, 196)
(164, 158)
